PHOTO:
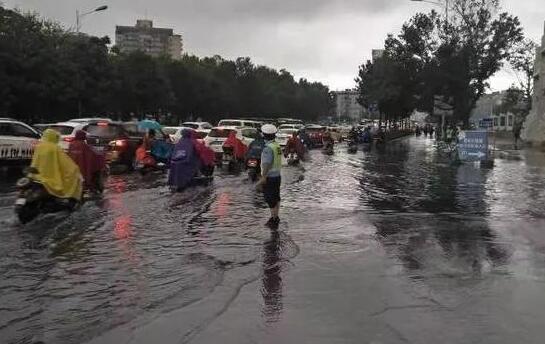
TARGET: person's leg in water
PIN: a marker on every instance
(272, 196)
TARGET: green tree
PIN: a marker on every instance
(454, 58)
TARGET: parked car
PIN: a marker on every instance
(291, 126)
(240, 123)
(118, 144)
(17, 142)
(40, 127)
(315, 133)
(67, 131)
(282, 121)
(202, 128)
(218, 135)
(284, 134)
(90, 119)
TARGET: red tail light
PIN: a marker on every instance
(68, 138)
(252, 162)
(121, 143)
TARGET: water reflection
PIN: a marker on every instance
(272, 281)
(439, 225)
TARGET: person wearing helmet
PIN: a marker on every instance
(271, 164)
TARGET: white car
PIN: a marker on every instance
(17, 142)
(240, 123)
(90, 119)
(202, 128)
(291, 126)
(218, 135)
(67, 131)
(175, 133)
(283, 135)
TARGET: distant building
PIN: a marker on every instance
(148, 39)
(376, 54)
(347, 106)
(489, 106)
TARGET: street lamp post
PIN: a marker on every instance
(79, 16)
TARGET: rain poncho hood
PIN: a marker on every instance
(206, 154)
(161, 150)
(88, 161)
(184, 164)
(143, 157)
(59, 175)
(239, 148)
(256, 148)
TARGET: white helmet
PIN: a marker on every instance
(268, 129)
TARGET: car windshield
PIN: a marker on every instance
(62, 129)
(315, 130)
(287, 131)
(250, 133)
(222, 133)
(231, 123)
(191, 125)
(132, 129)
(103, 130)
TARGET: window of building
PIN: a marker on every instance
(502, 121)
(495, 121)
(510, 121)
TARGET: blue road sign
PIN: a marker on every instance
(473, 145)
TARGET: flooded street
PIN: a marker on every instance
(389, 246)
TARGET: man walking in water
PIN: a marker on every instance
(271, 164)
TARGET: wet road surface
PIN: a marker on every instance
(390, 246)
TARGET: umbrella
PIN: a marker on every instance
(147, 124)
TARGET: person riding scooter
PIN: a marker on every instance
(234, 150)
(294, 149)
(353, 135)
(143, 158)
(206, 155)
(366, 136)
(91, 163)
(59, 175)
(161, 149)
(253, 157)
(305, 139)
(328, 142)
(53, 181)
(184, 164)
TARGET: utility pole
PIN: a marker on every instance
(78, 26)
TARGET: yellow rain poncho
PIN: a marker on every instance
(59, 175)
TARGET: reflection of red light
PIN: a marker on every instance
(122, 227)
(223, 205)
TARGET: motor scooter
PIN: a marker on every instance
(33, 199)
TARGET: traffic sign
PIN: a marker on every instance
(473, 145)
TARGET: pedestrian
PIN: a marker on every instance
(271, 164)
(517, 128)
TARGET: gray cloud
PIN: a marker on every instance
(322, 40)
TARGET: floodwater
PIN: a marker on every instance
(390, 246)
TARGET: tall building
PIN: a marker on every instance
(151, 40)
(347, 106)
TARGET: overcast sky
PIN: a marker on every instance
(321, 40)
